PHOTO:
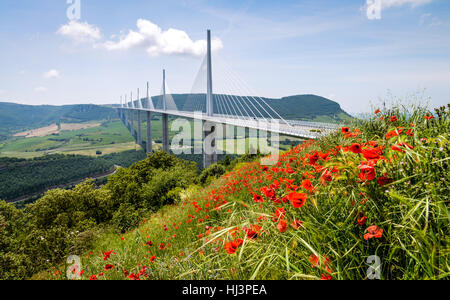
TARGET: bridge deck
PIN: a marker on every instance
(306, 130)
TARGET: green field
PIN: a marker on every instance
(111, 136)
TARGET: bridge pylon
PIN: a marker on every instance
(165, 118)
(209, 128)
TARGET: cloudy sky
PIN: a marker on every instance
(54, 52)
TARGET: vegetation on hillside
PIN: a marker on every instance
(20, 177)
(327, 210)
(16, 117)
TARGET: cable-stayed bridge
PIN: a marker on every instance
(223, 106)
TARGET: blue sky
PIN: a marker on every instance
(280, 48)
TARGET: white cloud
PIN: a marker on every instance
(40, 89)
(80, 32)
(2, 92)
(51, 74)
(159, 42)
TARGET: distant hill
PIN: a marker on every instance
(298, 107)
(17, 117)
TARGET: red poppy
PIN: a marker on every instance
(345, 130)
(231, 247)
(393, 119)
(371, 153)
(429, 118)
(282, 225)
(367, 171)
(307, 185)
(326, 176)
(109, 267)
(383, 180)
(373, 232)
(377, 111)
(93, 277)
(107, 254)
(297, 199)
(296, 224)
(326, 277)
(356, 148)
(362, 221)
(399, 147)
(257, 198)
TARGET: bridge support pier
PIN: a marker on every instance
(132, 122)
(209, 144)
(165, 132)
(139, 129)
(149, 133)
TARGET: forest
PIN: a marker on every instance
(19, 177)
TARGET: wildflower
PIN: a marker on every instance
(367, 171)
(428, 118)
(371, 153)
(383, 180)
(282, 225)
(231, 247)
(393, 119)
(306, 184)
(326, 277)
(345, 130)
(257, 198)
(362, 221)
(377, 111)
(297, 199)
(373, 232)
(399, 147)
(296, 224)
(356, 148)
(109, 267)
(107, 255)
(326, 177)
(93, 277)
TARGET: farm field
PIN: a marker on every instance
(84, 138)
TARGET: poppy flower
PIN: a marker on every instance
(429, 118)
(377, 111)
(393, 119)
(383, 180)
(371, 153)
(326, 277)
(231, 247)
(93, 277)
(373, 232)
(109, 267)
(367, 171)
(282, 225)
(326, 176)
(356, 148)
(297, 199)
(345, 130)
(399, 147)
(257, 198)
(296, 224)
(362, 221)
(107, 254)
(307, 185)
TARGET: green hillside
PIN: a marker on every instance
(17, 117)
